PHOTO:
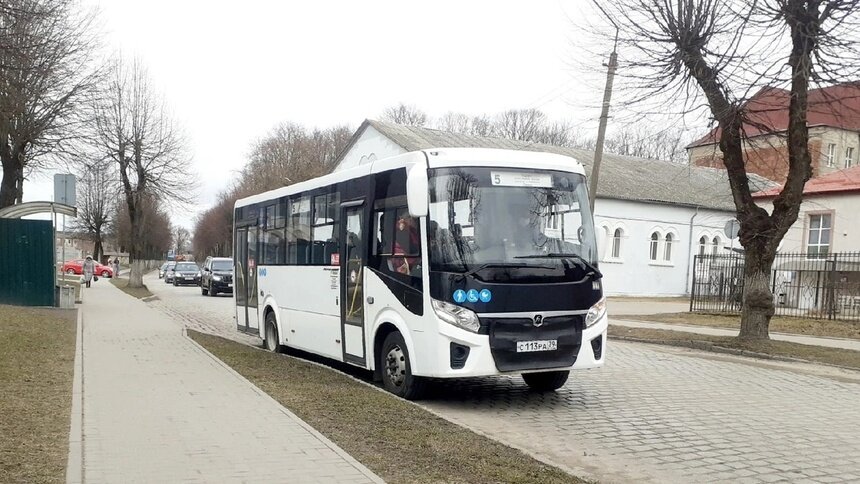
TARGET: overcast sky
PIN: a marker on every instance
(231, 71)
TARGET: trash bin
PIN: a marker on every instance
(67, 297)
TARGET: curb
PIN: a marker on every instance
(322, 438)
(75, 461)
(576, 472)
(710, 347)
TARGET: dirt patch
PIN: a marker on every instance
(37, 355)
(771, 348)
(138, 292)
(778, 324)
(395, 439)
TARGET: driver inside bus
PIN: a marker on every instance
(407, 247)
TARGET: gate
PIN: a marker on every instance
(26, 262)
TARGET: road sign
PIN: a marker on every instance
(64, 189)
(732, 228)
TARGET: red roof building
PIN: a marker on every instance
(834, 132)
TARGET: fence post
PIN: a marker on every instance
(693, 286)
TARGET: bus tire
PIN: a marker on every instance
(397, 375)
(272, 341)
(546, 381)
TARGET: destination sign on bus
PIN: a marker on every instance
(521, 179)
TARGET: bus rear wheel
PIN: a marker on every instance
(272, 341)
(546, 381)
(397, 375)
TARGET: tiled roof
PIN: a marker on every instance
(847, 180)
(621, 177)
(837, 106)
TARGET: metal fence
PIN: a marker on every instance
(804, 285)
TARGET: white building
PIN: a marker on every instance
(652, 216)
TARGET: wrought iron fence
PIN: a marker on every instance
(822, 286)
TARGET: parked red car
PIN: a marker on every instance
(76, 266)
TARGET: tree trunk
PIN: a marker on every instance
(9, 187)
(758, 305)
(135, 275)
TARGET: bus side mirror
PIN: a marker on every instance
(417, 197)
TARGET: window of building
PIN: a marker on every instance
(667, 249)
(830, 158)
(616, 243)
(655, 240)
(849, 157)
(716, 247)
(818, 237)
(703, 245)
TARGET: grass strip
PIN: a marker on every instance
(37, 355)
(779, 324)
(397, 440)
(782, 349)
(138, 292)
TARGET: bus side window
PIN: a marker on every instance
(398, 245)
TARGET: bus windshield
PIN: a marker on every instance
(509, 219)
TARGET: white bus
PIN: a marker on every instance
(441, 263)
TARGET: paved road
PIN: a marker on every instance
(653, 414)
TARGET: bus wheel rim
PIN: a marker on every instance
(395, 365)
(270, 338)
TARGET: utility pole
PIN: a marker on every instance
(601, 130)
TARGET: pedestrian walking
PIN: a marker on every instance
(116, 267)
(89, 269)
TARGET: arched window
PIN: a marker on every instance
(616, 243)
(655, 239)
(667, 251)
(703, 244)
(715, 249)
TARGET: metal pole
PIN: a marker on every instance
(601, 129)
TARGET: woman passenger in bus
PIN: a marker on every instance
(407, 247)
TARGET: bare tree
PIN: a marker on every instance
(157, 236)
(718, 52)
(133, 131)
(181, 239)
(408, 115)
(520, 124)
(97, 194)
(46, 71)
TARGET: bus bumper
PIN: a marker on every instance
(450, 361)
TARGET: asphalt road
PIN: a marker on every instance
(652, 414)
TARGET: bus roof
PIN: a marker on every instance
(436, 158)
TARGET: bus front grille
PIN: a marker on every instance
(506, 332)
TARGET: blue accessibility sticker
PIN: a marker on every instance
(472, 296)
(486, 296)
(459, 296)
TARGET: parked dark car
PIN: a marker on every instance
(217, 276)
(186, 273)
(168, 272)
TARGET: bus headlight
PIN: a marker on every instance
(595, 313)
(456, 315)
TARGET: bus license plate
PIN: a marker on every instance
(537, 345)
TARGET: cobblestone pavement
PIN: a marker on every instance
(656, 414)
(157, 408)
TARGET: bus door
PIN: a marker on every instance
(352, 263)
(246, 279)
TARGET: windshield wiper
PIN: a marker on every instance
(491, 264)
(595, 272)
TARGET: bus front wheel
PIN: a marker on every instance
(547, 381)
(396, 371)
(272, 342)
